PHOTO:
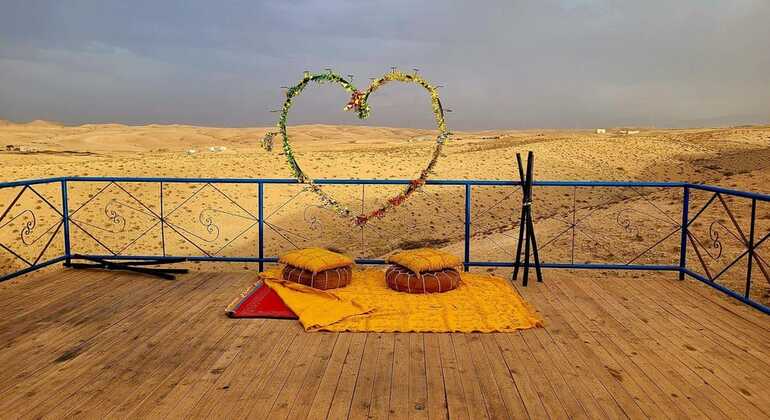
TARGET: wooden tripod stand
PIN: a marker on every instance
(526, 227)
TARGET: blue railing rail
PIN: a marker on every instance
(26, 253)
(691, 251)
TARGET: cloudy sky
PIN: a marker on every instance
(503, 64)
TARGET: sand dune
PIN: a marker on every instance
(720, 155)
(732, 157)
(43, 123)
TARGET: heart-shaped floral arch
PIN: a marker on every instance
(358, 103)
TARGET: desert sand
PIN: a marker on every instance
(619, 223)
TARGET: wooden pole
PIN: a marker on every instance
(526, 225)
(531, 224)
(522, 223)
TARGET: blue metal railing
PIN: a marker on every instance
(689, 243)
(25, 222)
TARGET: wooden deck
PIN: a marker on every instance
(102, 344)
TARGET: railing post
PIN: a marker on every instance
(467, 226)
(747, 292)
(162, 222)
(261, 204)
(66, 222)
(685, 221)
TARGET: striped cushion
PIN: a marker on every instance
(326, 279)
(403, 279)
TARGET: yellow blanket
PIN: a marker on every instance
(480, 304)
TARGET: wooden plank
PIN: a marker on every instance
(453, 385)
(313, 380)
(721, 305)
(586, 394)
(268, 365)
(319, 408)
(40, 340)
(362, 396)
(417, 407)
(564, 393)
(648, 355)
(383, 378)
(521, 377)
(23, 326)
(208, 365)
(268, 359)
(186, 380)
(40, 281)
(286, 371)
(57, 377)
(486, 345)
(744, 350)
(309, 363)
(63, 299)
(103, 392)
(608, 333)
(598, 363)
(401, 378)
(211, 331)
(566, 342)
(346, 386)
(191, 396)
(490, 390)
(683, 364)
(542, 386)
(479, 405)
(129, 389)
(27, 295)
(591, 328)
(723, 326)
(613, 337)
(437, 406)
(696, 351)
(40, 328)
(728, 363)
(35, 283)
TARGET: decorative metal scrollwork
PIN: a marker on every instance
(111, 211)
(206, 218)
(623, 219)
(28, 228)
(716, 243)
(313, 221)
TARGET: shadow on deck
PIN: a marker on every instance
(103, 344)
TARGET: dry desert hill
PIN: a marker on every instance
(734, 157)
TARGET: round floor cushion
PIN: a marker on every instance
(326, 279)
(403, 279)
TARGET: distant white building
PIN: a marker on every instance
(601, 131)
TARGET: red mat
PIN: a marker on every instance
(260, 302)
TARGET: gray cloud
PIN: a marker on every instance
(505, 64)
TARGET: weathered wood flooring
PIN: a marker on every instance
(101, 344)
